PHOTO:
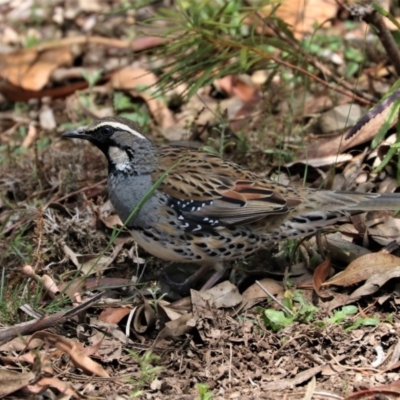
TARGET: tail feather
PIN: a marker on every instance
(333, 207)
(330, 201)
(383, 201)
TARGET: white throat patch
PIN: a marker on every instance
(119, 158)
(122, 127)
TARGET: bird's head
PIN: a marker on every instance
(122, 142)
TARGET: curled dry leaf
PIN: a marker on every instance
(93, 264)
(363, 268)
(320, 274)
(385, 229)
(375, 282)
(75, 350)
(63, 387)
(144, 318)
(31, 136)
(44, 280)
(113, 315)
(176, 328)
(30, 69)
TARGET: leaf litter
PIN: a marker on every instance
(92, 306)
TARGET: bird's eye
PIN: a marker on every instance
(107, 130)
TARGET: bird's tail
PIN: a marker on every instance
(382, 201)
(329, 200)
(332, 207)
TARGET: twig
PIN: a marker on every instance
(373, 17)
(266, 291)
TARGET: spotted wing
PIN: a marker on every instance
(209, 192)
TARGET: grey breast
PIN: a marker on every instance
(126, 192)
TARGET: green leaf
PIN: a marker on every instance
(340, 315)
(369, 321)
(276, 320)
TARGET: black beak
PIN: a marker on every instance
(78, 133)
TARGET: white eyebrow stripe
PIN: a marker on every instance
(121, 126)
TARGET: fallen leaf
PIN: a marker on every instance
(63, 387)
(254, 294)
(320, 274)
(303, 15)
(11, 381)
(223, 295)
(30, 69)
(140, 83)
(375, 282)
(75, 350)
(113, 315)
(363, 268)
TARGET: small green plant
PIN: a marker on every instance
(343, 315)
(296, 309)
(203, 393)
(339, 316)
(91, 78)
(125, 107)
(219, 145)
(147, 371)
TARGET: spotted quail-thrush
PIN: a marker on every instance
(208, 210)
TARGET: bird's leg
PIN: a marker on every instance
(215, 277)
(186, 285)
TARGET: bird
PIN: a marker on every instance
(200, 208)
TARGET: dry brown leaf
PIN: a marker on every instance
(75, 350)
(113, 315)
(140, 82)
(363, 268)
(386, 230)
(375, 282)
(254, 294)
(94, 264)
(178, 327)
(144, 318)
(63, 387)
(112, 221)
(304, 14)
(11, 381)
(223, 295)
(175, 310)
(20, 343)
(30, 69)
(320, 274)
